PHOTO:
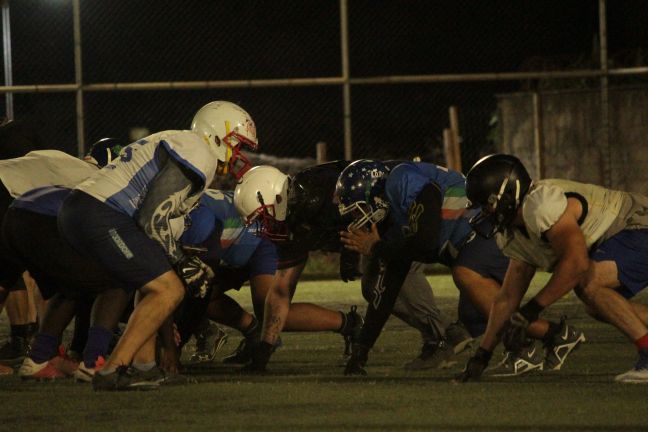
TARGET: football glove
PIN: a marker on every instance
(475, 366)
(195, 274)
(356, 363)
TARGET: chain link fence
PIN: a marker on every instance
(477, 56)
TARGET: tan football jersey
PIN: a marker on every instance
(605, 213)
(43, 168)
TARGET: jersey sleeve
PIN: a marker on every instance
(192, 153)
(404, 184)
(542, 208)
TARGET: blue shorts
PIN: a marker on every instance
(482, 256)
(629, 250)
(113, 239)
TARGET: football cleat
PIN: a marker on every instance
(127, 378)
(6, 370)
(639, 373)
(13, 352)
(434, 355)
(566, 340)
(56, 367)
(208, 343)
(352, 323)
(85, 373)
(513, 364)
(458, 337)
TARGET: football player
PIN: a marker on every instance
(293, 251)
(36, 169)
(593, 240)
(120, 217)
(417, 212)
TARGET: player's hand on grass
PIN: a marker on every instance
(475, 367)
(260, 357)
(195, 274)
(356, 363)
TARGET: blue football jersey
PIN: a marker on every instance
(406, 181)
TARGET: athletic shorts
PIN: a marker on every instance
(51, 261)
(291, 254)
(11, 269)
(482, 256)
(629, 250)
(112, 239)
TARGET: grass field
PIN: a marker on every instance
(306, 390)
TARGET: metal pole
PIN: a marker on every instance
(6, 49)
(605, 108)
(538, 142)
(78, 77)
(344, 36)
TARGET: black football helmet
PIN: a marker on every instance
(104, 151)
(360, 192)
(496, 184)
(311, 192)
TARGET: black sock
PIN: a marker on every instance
(554, 329)
(20, 330)
(345, 321)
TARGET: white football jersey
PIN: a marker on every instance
(43, 168)
(123, 183)
(605, 213)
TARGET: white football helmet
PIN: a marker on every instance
(261, 196)
(227, 127)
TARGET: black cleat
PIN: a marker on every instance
(127, 378)
(352, 323)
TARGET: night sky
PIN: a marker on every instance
(145, 41)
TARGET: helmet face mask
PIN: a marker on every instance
(497, 185)
(359, 193)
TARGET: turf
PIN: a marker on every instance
(305, 388)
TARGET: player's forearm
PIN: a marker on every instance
(501, 310)
(566, 276)
(276, 309)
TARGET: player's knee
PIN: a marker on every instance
(167, 288)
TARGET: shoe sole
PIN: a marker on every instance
(632, 381)
(463, 346)
(82, 376)
(571, 348)
(41, 379)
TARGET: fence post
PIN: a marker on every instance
(605, 109)
(346, 87)
(8, 68)
(447, 148)
(538, 139)
(78, 77)
(320, 151)
(456, 137)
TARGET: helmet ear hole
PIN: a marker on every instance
(278, 199)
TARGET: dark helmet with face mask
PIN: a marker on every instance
(496, 184)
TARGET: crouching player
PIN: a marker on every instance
(417, 212)
(594, 240)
